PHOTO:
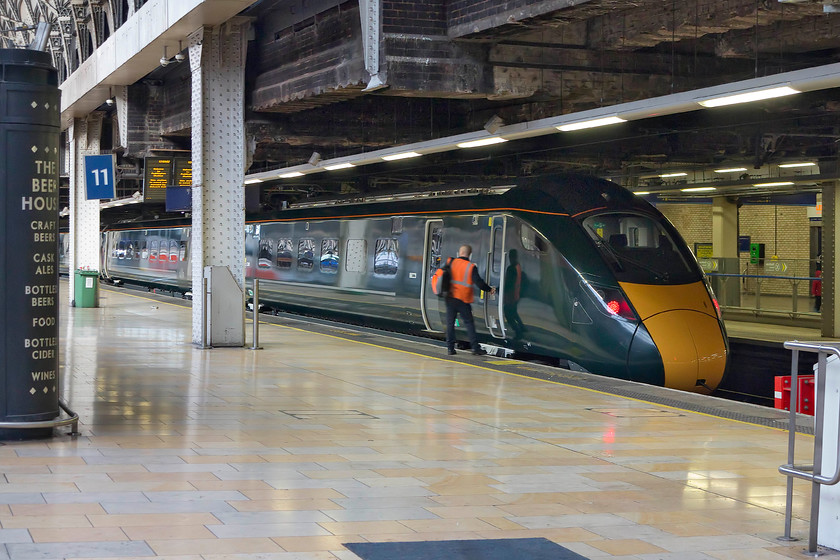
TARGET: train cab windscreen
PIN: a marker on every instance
(640, 249)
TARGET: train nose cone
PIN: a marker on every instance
(692, 348)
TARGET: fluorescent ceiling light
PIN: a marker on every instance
(749, 96)
(482, 142)
(403, 155)
(252, 181)
(699, 189)
(641, 193)
(680, 174)
(590, 123)
(731, 170)
(779, 184)
(803, 164)
(291, 174)
(338, 166)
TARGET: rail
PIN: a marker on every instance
(256, 302)
(72, 421)
(808, 472)
(784, 304)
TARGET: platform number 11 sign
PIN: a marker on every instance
(99, 176)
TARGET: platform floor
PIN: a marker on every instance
(327, 437)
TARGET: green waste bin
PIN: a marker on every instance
(87, 288)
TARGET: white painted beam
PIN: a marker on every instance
(135, 49)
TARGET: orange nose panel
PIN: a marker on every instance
(692, 348)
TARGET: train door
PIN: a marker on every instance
(494, 275)
(430, 304)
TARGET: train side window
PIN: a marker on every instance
(396, 225)
(164, 251)
(329, 256)
(386, 257)
(182, 251)
(265, 257)
(531, 240)
(144, 251)
(306, 254)
(153, 250)
(121, 250)
(284, 253)
(129, 251)
(356, 255)
(436, 254)
(497, 252)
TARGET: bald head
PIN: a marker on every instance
(465, 251)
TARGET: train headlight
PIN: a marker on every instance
(616, 303)
(714, 300)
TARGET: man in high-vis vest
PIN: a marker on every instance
(464, 278)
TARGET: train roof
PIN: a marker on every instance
(567, 194)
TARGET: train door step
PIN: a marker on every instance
(498, 351)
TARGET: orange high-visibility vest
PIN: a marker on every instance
(461, 286)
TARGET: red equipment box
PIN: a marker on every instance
(804, 393)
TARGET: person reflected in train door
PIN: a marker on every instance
(816, 287)
(465, 278)
(512, 293)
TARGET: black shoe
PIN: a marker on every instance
(479, 352)
(451, 352)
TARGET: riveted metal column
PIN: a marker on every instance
(120, 94)
(370, 12)
(84, 214)
(831, 253)
(217, 61)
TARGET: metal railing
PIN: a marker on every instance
(256, 302)
(787, 305)
(811, 472)
(72, 421)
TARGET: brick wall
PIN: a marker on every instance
(145, 105)
(693, 221)
(416, 18)
(784, 230)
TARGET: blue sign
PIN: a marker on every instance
(99, 177)
(178, 199)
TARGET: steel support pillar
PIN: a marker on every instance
(725, 250)
(217, 62)
(370, 12)
(84, 136)
(724, 228)
(831, 256)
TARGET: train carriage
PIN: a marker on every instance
(603, 280)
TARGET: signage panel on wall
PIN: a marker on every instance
(99, 177)
(183, 172)
(157, 176)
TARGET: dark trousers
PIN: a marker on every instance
(457, 307)
(513, 320)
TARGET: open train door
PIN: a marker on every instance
(494, 275)
(432, 306)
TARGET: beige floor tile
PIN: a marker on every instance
(76, 534)
(284, 505)
(213, 546)
(176, 439)
(365, 527)
(448, 525)
(626, 547)
(312, 544)
(45, 521)
(152, 520)
(168, 532)
(45, 510)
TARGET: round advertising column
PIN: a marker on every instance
(29, 167)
